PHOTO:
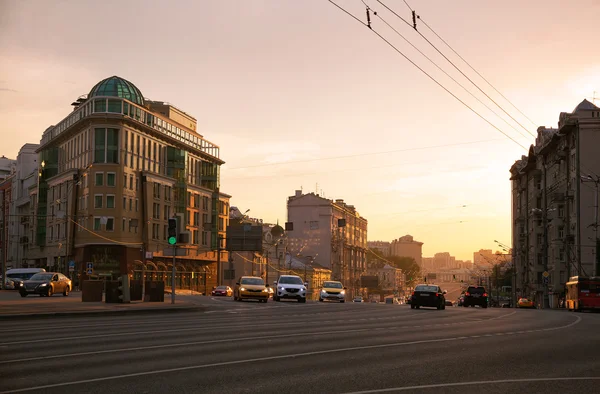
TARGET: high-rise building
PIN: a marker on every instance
(333, 232)
(555, 205)
(406, 246)
(112, 173)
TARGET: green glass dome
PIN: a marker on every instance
(117, 87)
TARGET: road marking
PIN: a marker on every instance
(120, 334)
(280, 357)
(443, 385)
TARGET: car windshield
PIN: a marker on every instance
(21, 276)
(290, 280)
(42, 277)
(426, 288)
(333, 285)
(221, 287)
(252, 281)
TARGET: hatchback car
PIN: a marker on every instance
(525, 303)
(251, 288)
(333, 291)
(428, 295)
(46, 284)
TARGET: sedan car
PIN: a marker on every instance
(251, 287)
(333, 291)
(225, 291)
(46, 284)
(525, 303)
(428, 295)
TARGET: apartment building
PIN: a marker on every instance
(406, 246)
(331, 231)
(554, 205)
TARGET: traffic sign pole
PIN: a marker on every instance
(173, 275)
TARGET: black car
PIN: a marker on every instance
(476, 295)
(46, 284)
(428, 295)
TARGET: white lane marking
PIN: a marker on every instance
(259, 359)
(306, 333)
(444, 385)
(121, 334)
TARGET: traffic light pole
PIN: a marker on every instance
(173, 275)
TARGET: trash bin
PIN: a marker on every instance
(155, 291)
(91, 291)
(135, 290)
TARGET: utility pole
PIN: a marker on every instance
(173, 274)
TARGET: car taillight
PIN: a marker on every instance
(485, 294)
(413, 293)
(467, 294)
(437, 294)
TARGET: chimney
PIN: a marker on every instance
(298, 193)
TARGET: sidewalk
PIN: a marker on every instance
(13, 306)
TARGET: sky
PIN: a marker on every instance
(300, 96)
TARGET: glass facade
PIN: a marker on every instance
(117, 87)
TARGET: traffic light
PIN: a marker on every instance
(123, 289)
(172, 233)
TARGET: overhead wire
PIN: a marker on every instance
(458, 69)
(428, 75)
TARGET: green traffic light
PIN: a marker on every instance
(172, 240)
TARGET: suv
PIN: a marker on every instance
(476, 295)
(290, 286)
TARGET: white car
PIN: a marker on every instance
(290, 287)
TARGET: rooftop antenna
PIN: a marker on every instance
(594, 98)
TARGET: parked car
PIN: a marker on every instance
(358, 299)
(46, 284)
(225, 291)
(428, 295)
(290, 287)
(332, 290)
(476, 295)
(251, 288)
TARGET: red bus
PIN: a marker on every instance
(583, 293)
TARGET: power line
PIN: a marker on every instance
(363, 154)
(449, 76)
(459, 70)
(481, 76)
(430, 77)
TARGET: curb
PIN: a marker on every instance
(140, 311)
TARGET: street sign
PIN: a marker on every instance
(149, 255)
(71, 266)
(545, 274)
(546, 280)
(89, 268)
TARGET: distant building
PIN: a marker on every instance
(406, 246)
(382, 248)
(331, 231)
(7, 167)
(391, 279)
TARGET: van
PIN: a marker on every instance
(16, 276)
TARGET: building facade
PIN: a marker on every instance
(382, 248)
(554, 206)
(406, 246)
(111, 174)
(332, 232)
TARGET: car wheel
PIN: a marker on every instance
(342, 301)
(66, 292)
(275, 298)
(412, 306)
(302, 300)
(23, 294)
(321, 300)
(49, 292)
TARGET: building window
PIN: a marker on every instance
(204, 238)
(110, 224)
(196, 219)
(130, 182)
(98, 200)
(111, 179)
(561, 232)
(124, 181)
(156, 190)
(130, 204)
(106, 145)
(110, 201)
(167, 211)
(156, 211)
(99, 179)
(561, 211)
(97, 224)
(124, 224)
(124, 203)
(195, 237)
(136, 204)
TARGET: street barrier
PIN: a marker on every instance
(91, 291)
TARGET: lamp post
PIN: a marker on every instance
(508, 249)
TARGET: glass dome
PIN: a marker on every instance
(117, 87)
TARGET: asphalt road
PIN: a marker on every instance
(305, 348)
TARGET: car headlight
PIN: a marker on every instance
(281, 288)
(44, 284)
(242, 289)
(265, 290)
(323, 291)
(303, 288)
(342, 292)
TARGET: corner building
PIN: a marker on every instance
(112, 173)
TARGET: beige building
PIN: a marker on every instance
(331, 231)
(406, 246)
(554, 218)
(391, 279)
(112, 173)
(382, 248)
